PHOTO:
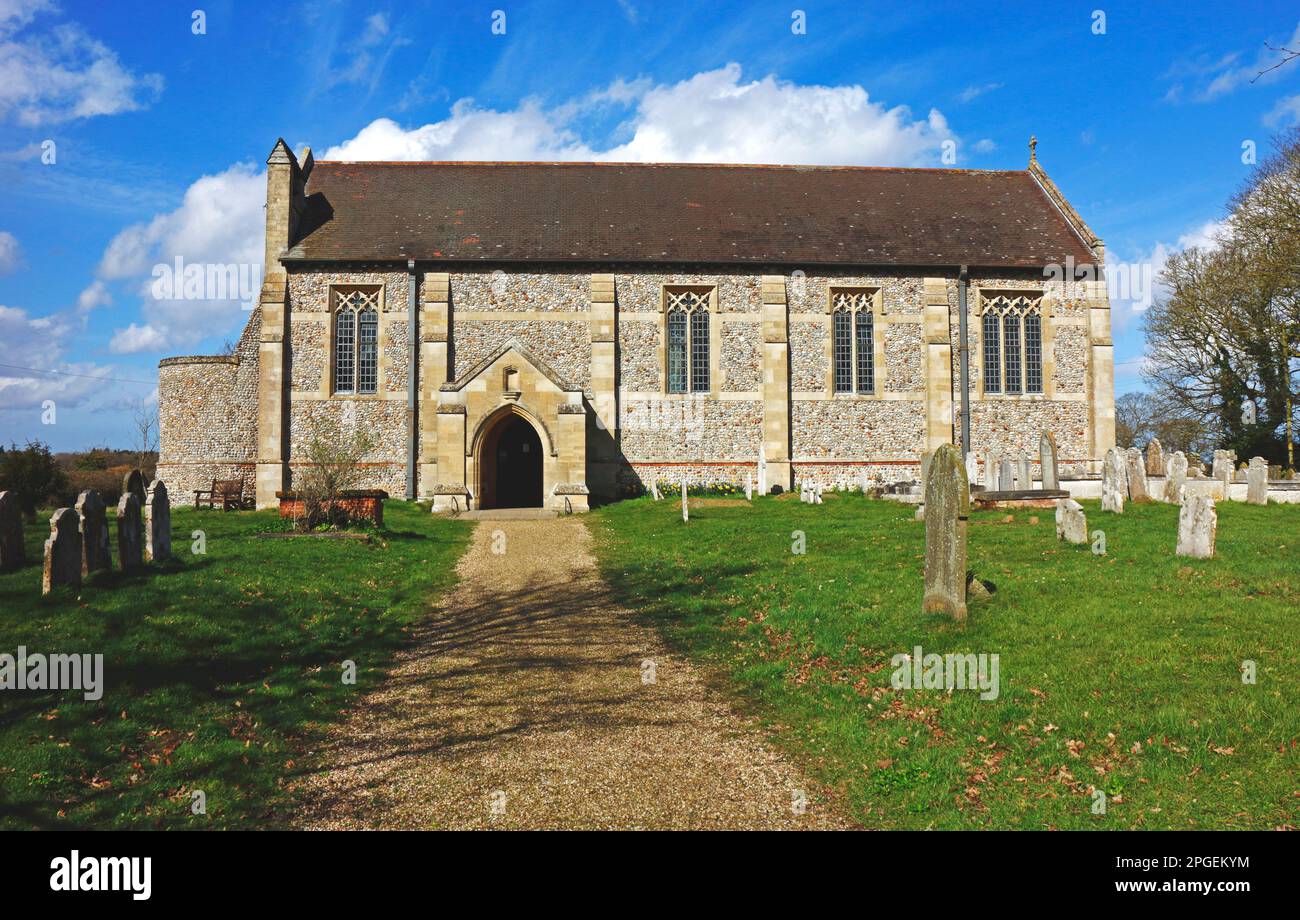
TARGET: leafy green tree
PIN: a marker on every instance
(33, 473)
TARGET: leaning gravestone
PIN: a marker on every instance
(1114, 485)
(1257, 481)
(1071, 522)
(1137, 475)
(134, 483)
(654, 489)
(95, 553)
(130, 532)
(1155, 458)
(1197, 523)
(158, 523)
(1047, 460)
(11, 532)
(63, 551)
(1175, 478)
(947, 506)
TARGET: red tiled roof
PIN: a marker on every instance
(655, 212)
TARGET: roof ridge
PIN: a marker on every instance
(611, 163)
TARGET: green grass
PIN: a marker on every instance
(218, 667)
(1119, 671)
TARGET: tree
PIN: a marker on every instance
(1222, 345)
(33, 473)
(144, 424)
(333, 466)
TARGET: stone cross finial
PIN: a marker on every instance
(1033, 149)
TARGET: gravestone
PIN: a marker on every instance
(1197, 523)
(1136, 471)
(1275, 471)
(1257, 481)
(818, 495)
(63, 551)
(1024, 474)
(864, 481)
(157, 523)
(130, 532)
(1175, 477)
(134, 483)
(925, 468)
(947, 506)
(1047, 460)
(1221, 469)
(95, 553)
(972, 469)
(1006, 477)
(749, 487)
(11, 532)
(686, 509)
(1071, 522)
(654, 489)
(1114, 485)
(1155, 458)
(991, 463)
(762, 471)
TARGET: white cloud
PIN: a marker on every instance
(39, 342)
(1285, 112)
(1207, 79)
(63, 73)
(219, 223)
(95, 295)
(710, 117)
(974, 91)
(984, 145)
(10, 253)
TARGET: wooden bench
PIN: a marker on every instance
(229, 492)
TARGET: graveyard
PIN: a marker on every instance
(221, 663)
(1125, 672)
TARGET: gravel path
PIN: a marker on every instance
(521, 704)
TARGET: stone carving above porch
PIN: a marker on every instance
(513, 349)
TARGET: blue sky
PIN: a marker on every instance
(159, 135)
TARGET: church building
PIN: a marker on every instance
(552, 334)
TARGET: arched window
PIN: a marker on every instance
(1013, 344)
(356, 341)
(853, 341)
(687, 335)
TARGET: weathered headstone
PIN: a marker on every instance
(972, 469)
(1197, 524)
(819, 495)
(134, 483)
(947, 506)
(925, 468)
(1257, 481)
(1136, 472)
(11, 532)
(1221, 469)
(95, 553)
(157, 523)
(63, 551)
(686, 508)
(1006, 476)
(762, 471)
(864, 480)
(1114, 485)
(130, 532)
(749, 487)
(654, 489)
(1175, 477)
(1155, 458)
(1024, 474)
(1071, 522)
(1051, 474)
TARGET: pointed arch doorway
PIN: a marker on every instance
(510, 464)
